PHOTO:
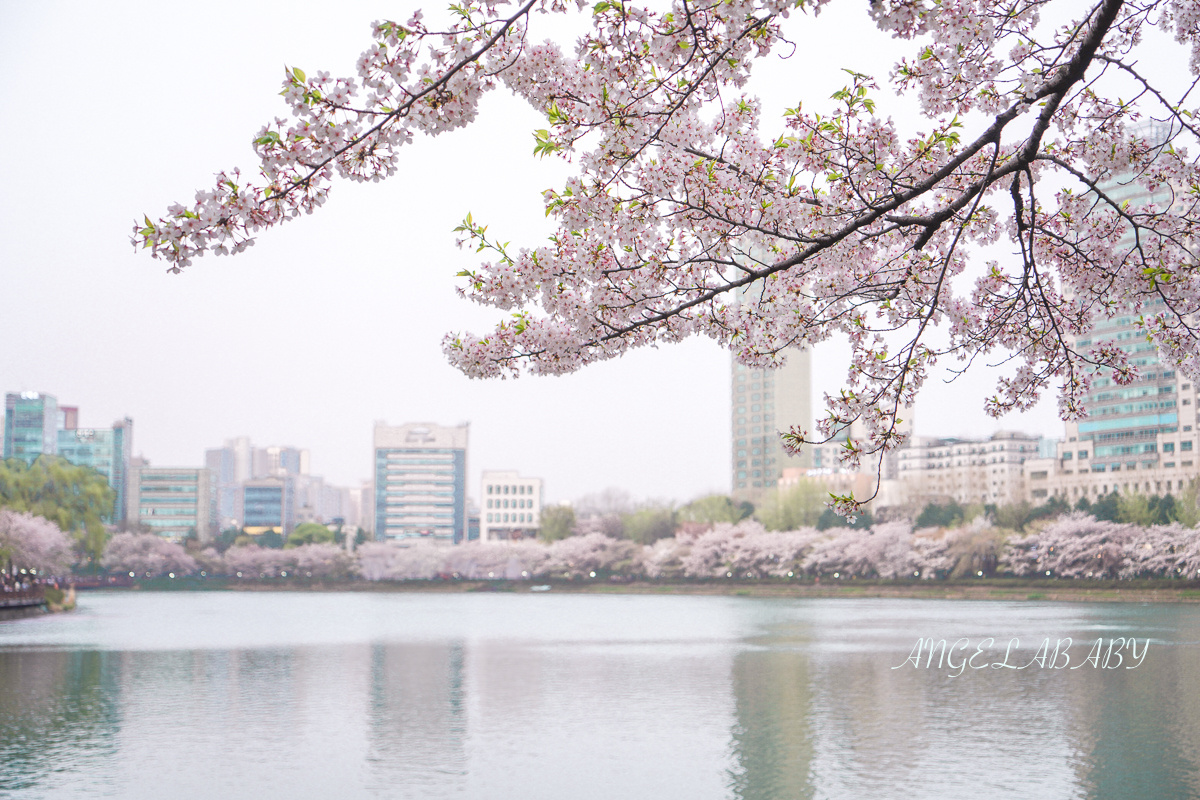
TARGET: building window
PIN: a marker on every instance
(1185, 445)
(1168, 447)
(1083, 453)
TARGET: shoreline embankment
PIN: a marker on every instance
(983, 589)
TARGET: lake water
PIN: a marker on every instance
(621, 697)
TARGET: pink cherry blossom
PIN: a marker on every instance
(845, 224)
(29, 542)
(147, 555)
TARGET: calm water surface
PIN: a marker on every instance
(497, 696)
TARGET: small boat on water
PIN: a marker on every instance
(542, 588)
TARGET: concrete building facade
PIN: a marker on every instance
(512, 506)
(968, 471)
(174, 502)
(765, 403)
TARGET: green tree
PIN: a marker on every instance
(1187, 507)
(831, 519)
(940, 515)
(74, 498)
(309, 533)
(648, 525)
(557, 523)
(1108, 507)
(798, 506)
(1016, 516)
(269, 539)
(715, 508)
(1163, 508)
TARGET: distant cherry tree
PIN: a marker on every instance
(321, 560)
(580, 556)
(146, 554)
(380, 561)
(252, 561)
(511, 560)
(31, 542)
(748, 550)
(844, 223)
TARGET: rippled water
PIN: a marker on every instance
(282, 695)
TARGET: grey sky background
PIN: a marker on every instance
(335, 320)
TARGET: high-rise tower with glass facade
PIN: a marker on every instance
(30, 425)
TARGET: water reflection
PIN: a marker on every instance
(418, 718)
(772, 740)
(56, 708)
(518, 697)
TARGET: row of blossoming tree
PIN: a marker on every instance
(1075, 545)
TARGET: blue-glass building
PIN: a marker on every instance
(269, 504)
(30, 425)
(421, 483)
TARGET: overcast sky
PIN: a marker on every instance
(333, 321)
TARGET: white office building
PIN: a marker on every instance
(511, 506)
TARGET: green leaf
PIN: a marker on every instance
(299, 73)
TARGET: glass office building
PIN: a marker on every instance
(268, 504)
(30, 425)
(421, 483)
(108, 452)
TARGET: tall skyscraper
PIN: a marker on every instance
(765, 403)
(279, 460)
(1145, 430)
(221, 462)
(30, 425)
(1139, 437)
(421, 482)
